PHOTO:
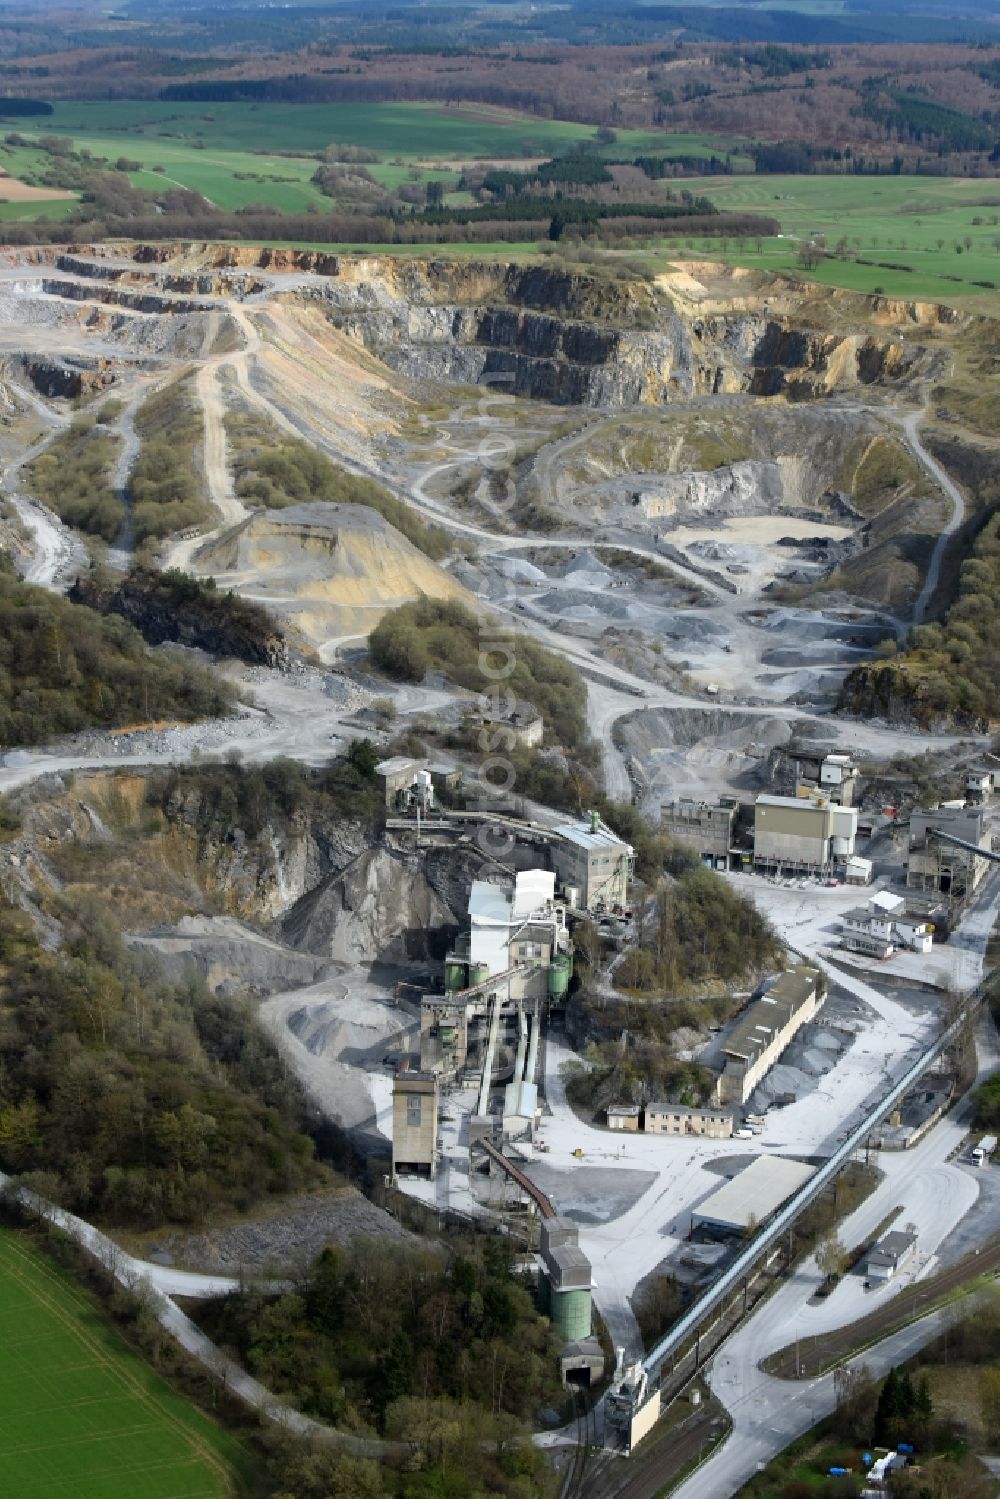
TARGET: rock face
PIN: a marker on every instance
(205, 620)
(891, 691)
(575, 340)
(381, 906)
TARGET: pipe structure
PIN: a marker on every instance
(531, 1064)
(973, 848)
(491, 1046)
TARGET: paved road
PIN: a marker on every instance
(910, 425)
(768, 1413)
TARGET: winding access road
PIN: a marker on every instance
(911, 426)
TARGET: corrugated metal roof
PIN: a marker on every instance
(583, 837)
(802, 803)
(756, 1193)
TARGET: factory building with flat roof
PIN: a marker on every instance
(752, 1196)
(705, 827)
(594, 862)
(940, 868)
(764, 1030)
(802, 835)
(414, 1123)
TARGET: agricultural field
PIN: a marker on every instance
(940, 227)
(230, 152)
(82, 1413)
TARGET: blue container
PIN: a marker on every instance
(904, 1447)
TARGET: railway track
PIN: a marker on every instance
(586, 1437)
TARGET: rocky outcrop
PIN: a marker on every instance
(69, 379)
(900, 695)
(168, 607)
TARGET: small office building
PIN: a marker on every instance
(891, 1253)
(684, 1119)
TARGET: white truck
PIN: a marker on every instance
(984, 1151)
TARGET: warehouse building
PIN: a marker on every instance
(764, 1030)
(593, 865)
(751, 1197)
(941, 868)
(802, 835)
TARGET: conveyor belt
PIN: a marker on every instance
(536, 1194)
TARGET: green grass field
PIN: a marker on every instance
(212, 149)
(923, 224)
(81, 1413)
(413, 132)
(919, 222)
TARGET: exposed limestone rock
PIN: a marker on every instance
(381, 906)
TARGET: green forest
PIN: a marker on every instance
(133, 1100)
(64, 668)
(437, 1348)
(279, 471)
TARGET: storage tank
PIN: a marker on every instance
(571, 1313)
(478, 974)
(560, 970)
(455, 975)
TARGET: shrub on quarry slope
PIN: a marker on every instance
(166, 487)
(273, 471)
(442, 636)
(73, 477)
